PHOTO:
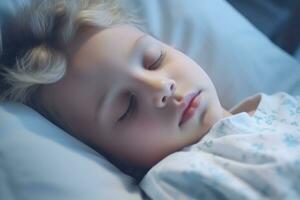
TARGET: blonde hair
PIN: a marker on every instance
(33, 37)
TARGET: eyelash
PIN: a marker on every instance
(158, 61)
(130, 109)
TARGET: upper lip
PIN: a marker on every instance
(187, 102)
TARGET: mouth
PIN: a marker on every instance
(191, 103)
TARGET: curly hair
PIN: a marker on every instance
(33, 37)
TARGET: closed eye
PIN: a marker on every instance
(130, 109)
(157, 61)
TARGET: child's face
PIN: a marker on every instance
(122, 70)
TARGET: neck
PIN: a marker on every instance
(226, 113)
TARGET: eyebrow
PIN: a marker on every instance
(139, 38)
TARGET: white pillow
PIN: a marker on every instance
(239, 59)
(40, 161)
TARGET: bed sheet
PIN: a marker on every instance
(242, 157)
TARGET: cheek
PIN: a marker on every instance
(146, 134)
(153, 125)
(147, 141)
(146, 129)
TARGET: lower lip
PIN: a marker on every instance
(191, 110)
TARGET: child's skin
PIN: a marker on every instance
(110, 68)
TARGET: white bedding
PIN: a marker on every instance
(241, 157)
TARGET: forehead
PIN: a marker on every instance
(99, 46)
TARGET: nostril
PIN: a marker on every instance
(172, 87)
(164, 99)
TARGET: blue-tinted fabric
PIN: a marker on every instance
(241, 157)
(40, 161)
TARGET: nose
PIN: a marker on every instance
(166, 89)
(159, 90)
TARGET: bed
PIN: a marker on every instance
(38, 160)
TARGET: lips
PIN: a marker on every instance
(190, 106)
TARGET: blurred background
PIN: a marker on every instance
(278, 19)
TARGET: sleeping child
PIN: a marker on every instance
(90, 69)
